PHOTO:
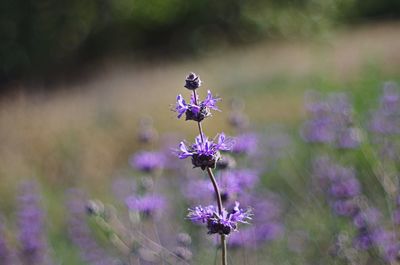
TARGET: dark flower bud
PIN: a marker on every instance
(94, 207)
(218, 228)
(196, 113)
(192, 81)
(204, 161)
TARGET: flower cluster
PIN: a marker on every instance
(148, 205)
(246, 143)
(343, 188)
(331, 121)
(195, 110)
(205, 152)
(386, 119)
(148, 161)
(232, 183)
(222, 224)
(80, 233)
(340, 184)
(385, 122)
(266, 225)
(31, 221)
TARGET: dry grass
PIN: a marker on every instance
(82, 137)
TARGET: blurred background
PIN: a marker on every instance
(77, 77)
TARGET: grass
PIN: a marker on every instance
(85, 137)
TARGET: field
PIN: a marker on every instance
(85, 139)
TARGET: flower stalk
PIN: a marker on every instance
(216, 190)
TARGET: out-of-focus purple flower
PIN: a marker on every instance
(349, 138)
(345, 188)
(345, 207)
(123, 187)
(268, 208)
(226, 162)
(387, 243)
(364, 240)
(269, 231)
(340, 183)
(236, 182)
(80, 233)
(246, 143)
(330, 174)
(396, 216)
(148, 161)
(330, 121)
(204, 152)
(257, 235)
(223, 223)
(31, 226)
(196, 111)
(150, 205)
(232, 184)
(367, 218)
(386, 120)
(318, 131)
(203, 193)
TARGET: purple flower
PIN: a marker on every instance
(223, 223)
(330, 121)
(386, 120)
(387, 243)
(367, 218)
(363, 240)
(345, 188)
(148, 161)
(148, 205)
(269, 231)
(80, 233)
(203, 192)
(318, 131)
(181, 107)
(349, 138)
(31, 226)
(246, 143)
(200, 214)
(345, 207)
(236, 182)
(204, 152)
(123, 187)
(210, 101)
(195, 110)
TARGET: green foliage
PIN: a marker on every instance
(40, 34)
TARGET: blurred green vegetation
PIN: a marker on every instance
(40, 35)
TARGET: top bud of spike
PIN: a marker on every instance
(192, 81)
